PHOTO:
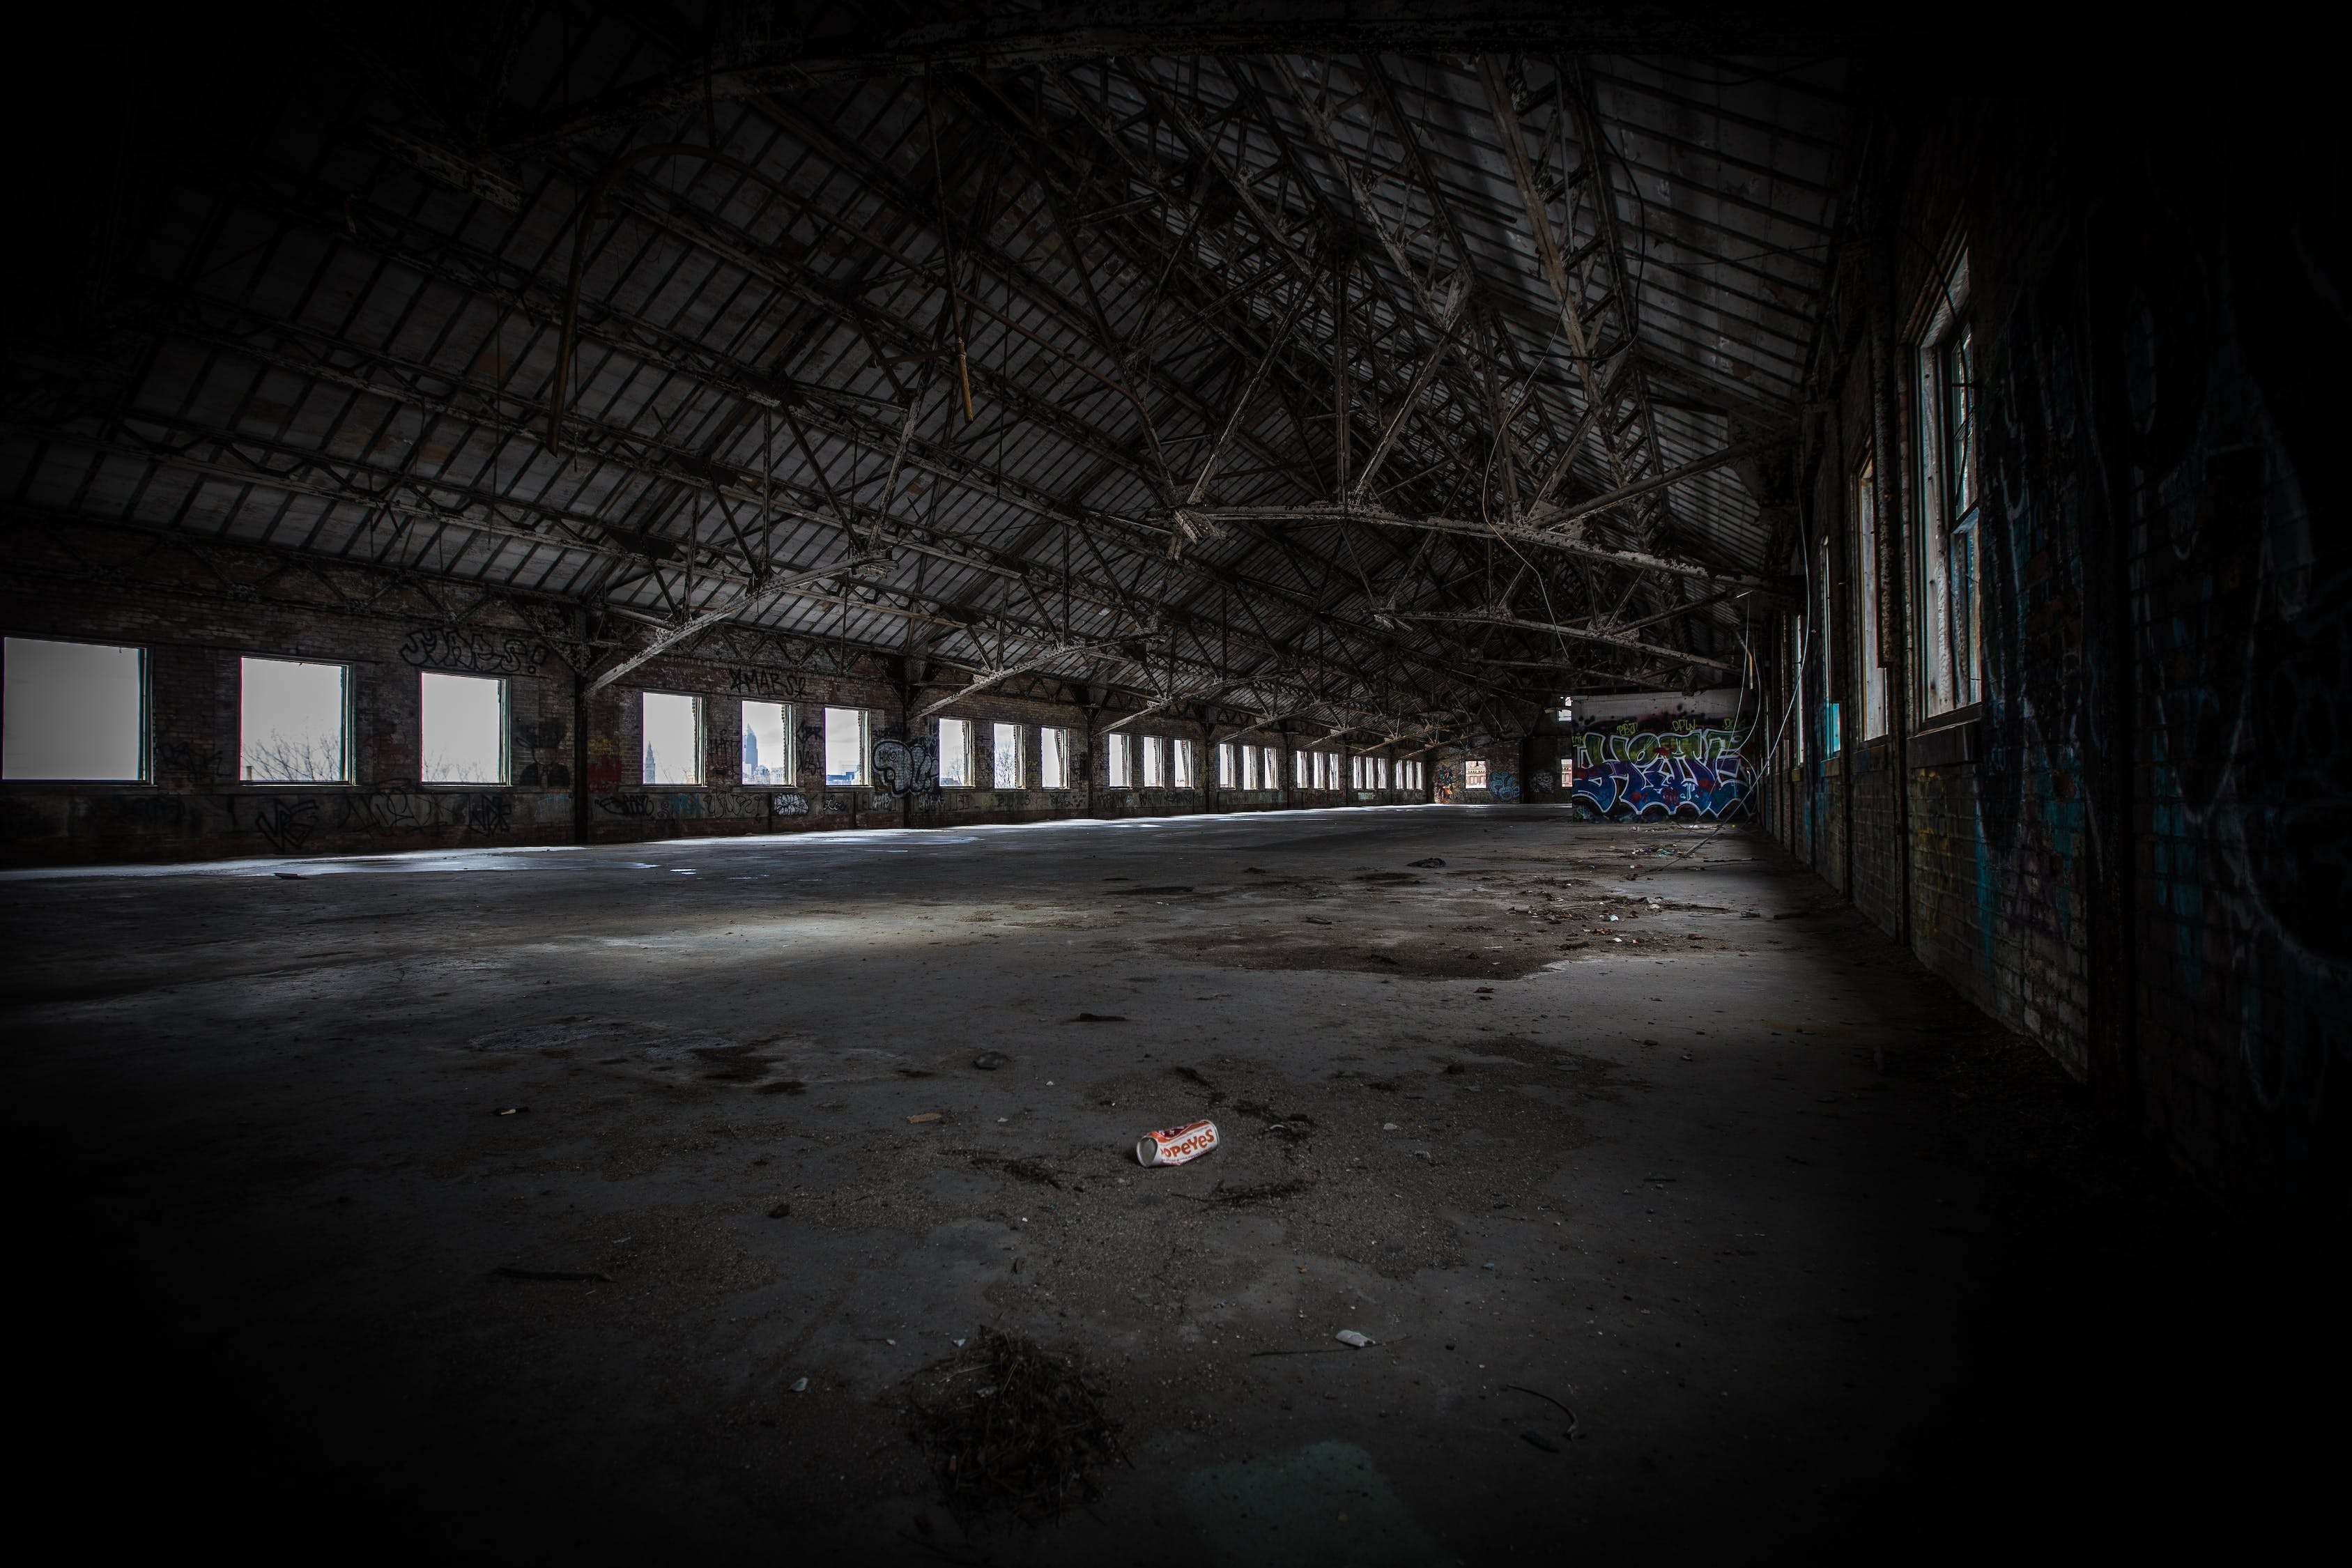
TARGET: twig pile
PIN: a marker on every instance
(1007, 1422)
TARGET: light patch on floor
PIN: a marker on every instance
(1326, 1503)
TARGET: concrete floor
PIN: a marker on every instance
(1671, 1139)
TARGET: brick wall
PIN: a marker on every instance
(2130, 848)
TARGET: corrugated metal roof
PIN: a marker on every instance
(354, 305)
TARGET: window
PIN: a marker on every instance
(1179, 763)
(1414, 779)
(1798, 648)
(462, 729)
(1154, 772)
(768, 757)
(1823, 594)
(673, 739)
(1226, 778)
(294, 722)
(1865, 577)
(1567, 774)
(844, 746)
(74, 711)
(1054, 759)
(1270, 767)
(1117, 760)
(1473, 773)
(1006, 772)
(955, 753)
(1945, 557)
(1355, 772)
(1250, 775)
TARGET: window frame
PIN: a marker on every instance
(1862, 495)
(863, 776)
(792, 719)
(1155, 762)
(701, 779)
(505, 731)
(1118, 765)
(1055, 752)
(1946, 625)
(996, 779)
(940, 744)
(1484, 773)
(1180, 765)
(145, 776)
(349, 726)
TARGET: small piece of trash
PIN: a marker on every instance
(1686, 1056)
(958, 1343)
(1350, 1337)
(1387, 1127)
(800, 1385)
(1485, 1266)
(782, 1211)
(510, 1110)
(928, 1115)
(988, 1062)
(1175, 1145)
(1433, 860)
(889, 1341)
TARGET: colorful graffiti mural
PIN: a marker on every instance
(1661, 766)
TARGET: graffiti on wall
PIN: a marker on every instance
(289, 823)
(473, 653)
(904, 768)
(750, 680)
(1661, 766)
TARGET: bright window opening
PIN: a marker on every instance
(1155, 774)
(1226, 777)
(955, 753)
(1116, 760)
(768, 745)
(1053, 759)
(845, 745)
(294, 722)
(673, 739)
(74, 711)
(1270, 767)
(1007, 757)
(1179, 761)
(462, 729)
(1473, 773)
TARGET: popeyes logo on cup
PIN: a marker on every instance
(1177, 1145)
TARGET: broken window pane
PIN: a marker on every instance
(293, 722)
(768, 745)
(74, 711)
(1054, 759)
(955, 753)
(673, 739)
(462, 729)
(1007, 757)
(845, 745)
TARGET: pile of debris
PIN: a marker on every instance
(1007, 1422)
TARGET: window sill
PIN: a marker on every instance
(1951, 740)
